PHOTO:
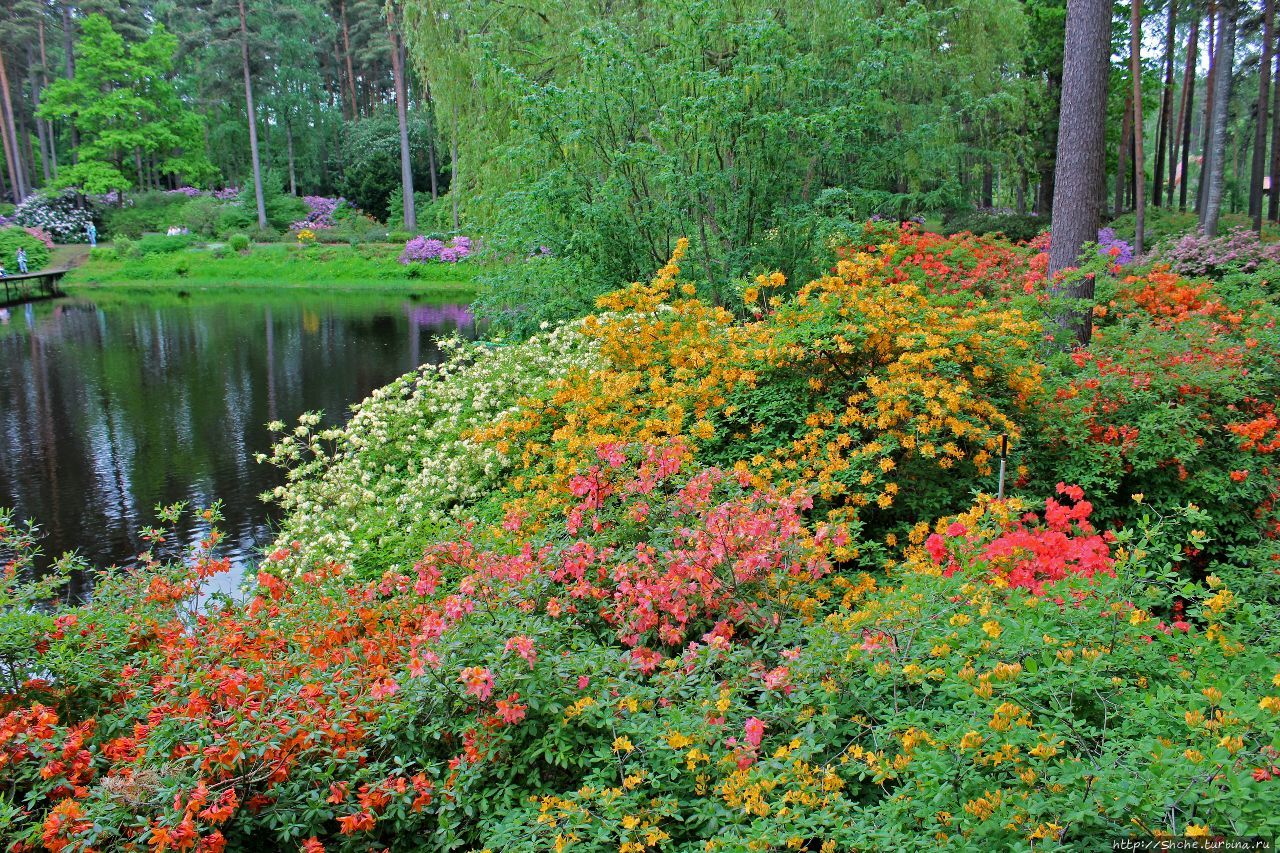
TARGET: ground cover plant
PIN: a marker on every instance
(684, 575)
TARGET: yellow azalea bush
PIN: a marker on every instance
(883, 402)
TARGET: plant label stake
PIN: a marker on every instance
(1004, 455)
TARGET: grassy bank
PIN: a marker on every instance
(279, 266)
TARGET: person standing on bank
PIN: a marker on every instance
(92, 232)
(22, 260)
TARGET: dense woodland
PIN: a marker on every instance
(605, 130)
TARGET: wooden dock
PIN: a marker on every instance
(27, 287)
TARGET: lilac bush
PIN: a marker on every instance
(1110, 244)
(421, 249)
(1240, 250)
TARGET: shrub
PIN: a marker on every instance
(125, 248)
(202, 215)
(238, 242)
(64, 215)
(163, 244)
(12, 239)
(421, 249)
(1240, 250)
(1014, 226)
(399, 237)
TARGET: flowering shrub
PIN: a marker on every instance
(421, 249)
(601, 589)
(1240, 250)
(306, 235)
(320, 212)
(63, 215)
(372, 494)
(1112, 246)
(861, 388)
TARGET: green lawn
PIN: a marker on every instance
(371, 267)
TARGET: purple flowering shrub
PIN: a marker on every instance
(1239, 250)
(422, 249)
(61, 215)
(1110, 244)
(320, 212)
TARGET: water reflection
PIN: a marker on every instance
(110, 408)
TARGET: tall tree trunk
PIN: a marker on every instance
(1122, 155)
(455, 187)
(1206, 120)
(293, 175)
(1224, 57)
(14, 147)
(402, 113)
(346, 48)
(1166, 108)
(988, 184)
(69, 69)
(253, 120)
(1185, 114)
(50, 137)
(1081, 161)
(1258, 173)
(1273, 201)
(42, 138)
(1139, 161)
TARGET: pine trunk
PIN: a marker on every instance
(455, 188)
(1273, 201)
(1166, 108)
(1224, 57)
(1139, 160)
(14, 147)
(351, 74)
(1122, 155)
(1077, 208)
(402, 113)
(1185, 114)
(253, 120)
(1206, 120)
(293, 175)
(1258, 174)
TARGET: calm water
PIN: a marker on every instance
(110, 406)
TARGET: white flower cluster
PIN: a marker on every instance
(374, 493)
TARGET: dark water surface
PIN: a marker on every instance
(114, 404)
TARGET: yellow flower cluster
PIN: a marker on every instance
(897, 386)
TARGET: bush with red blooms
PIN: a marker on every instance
(1170, 401)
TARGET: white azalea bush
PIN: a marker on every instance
(371, 495)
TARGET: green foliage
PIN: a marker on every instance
(1016, 227)
(201, 216)
(152, 211)
(238, 242)
(282, 209)
(371, 156)
(12, 239)
(163, 244)
(123, 248)
(520, 297)
(124, 106)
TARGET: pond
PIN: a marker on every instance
(113, 404)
